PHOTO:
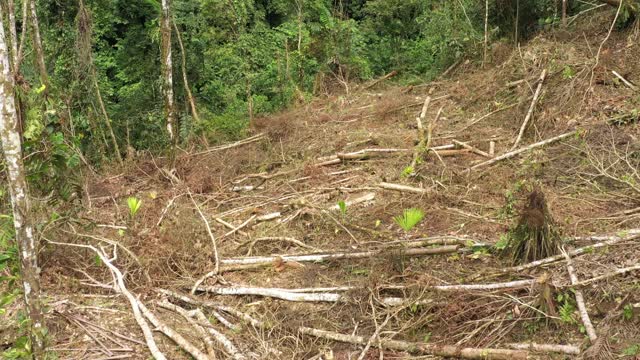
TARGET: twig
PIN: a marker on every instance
(386, 77)
(536, 95)
(582, 308)
(361, 199)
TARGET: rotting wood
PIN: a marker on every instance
(520, 151)
(356, 155)
(527, 118)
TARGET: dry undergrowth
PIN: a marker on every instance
(590, 183)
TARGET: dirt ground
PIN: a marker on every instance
(590, 180)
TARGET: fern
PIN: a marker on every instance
(409, 218)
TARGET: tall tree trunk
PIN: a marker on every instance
(167, 66)
(564, 13)
(187, 89)
(11, 8)
(25, 238)
(23, 33)
(37, 46)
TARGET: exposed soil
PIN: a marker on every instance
(590, 181)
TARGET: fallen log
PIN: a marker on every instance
(268, 260)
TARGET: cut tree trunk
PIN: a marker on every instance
(24, 235)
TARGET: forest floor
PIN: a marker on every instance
(281, 192)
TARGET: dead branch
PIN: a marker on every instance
(402, 188)
(536, 95)
(229, 264)
(357, 155)
(172, 334)
(200, 321)
(359, 200)
(474, 150)
(136, 305)
(617, 272)
(582, 308)
(546, 348)
(386, 77)
(246, 141)
(625, 81)
(520, 151)
(572, 253)
(199, 328)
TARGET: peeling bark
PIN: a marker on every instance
(11, 146)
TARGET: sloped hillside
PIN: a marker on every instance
(293, 239)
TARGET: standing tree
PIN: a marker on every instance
(37, 46)
(11, 146)
(167, 66)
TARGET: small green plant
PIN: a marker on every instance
(627, 312)
(566, 309)
(568, 72)
(343, 207)
(409, 218)
(408, 171)
(632, 350)
(502, 243)
(134, 205)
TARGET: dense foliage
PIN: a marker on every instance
(242, 58)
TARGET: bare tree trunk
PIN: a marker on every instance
(486, 32)
(12, 148)
(564, 13)
(107, 120)
(23, 32)
(37, 46)
(187, 89)
(167, 66)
